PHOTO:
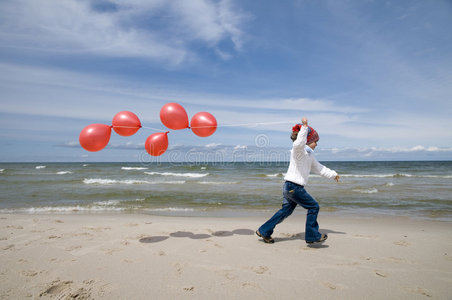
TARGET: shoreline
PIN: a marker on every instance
(232, 213)
(137, 256)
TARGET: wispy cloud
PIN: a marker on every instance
(93, 96)
(157, 30)
(253, 153)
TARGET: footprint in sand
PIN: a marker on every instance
(329, 285)
(365, 236)
(178, 268)
(111, 251)
(189, 288)
(419, 290)
(55, 288)
(260, 269)
(8, 247)
(68, 290)
(402, 243)
(97, 229)
(72, 248)
(29, 273)
(125, 242)
(250, 285)
(14, 227)
(215, 244)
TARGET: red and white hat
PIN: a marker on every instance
(313, 136)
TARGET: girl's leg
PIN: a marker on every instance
(287, 208)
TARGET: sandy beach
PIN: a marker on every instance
(137, 256)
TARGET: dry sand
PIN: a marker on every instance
(153, 257)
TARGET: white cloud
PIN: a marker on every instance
(213, 145)
(129, 30)
(240, 147)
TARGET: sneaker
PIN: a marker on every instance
(267, 240)
(321, 240)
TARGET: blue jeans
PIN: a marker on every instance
(295, 194)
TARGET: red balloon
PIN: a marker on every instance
(157, 143)
(126, 123)
(203, 124)
(95, 137)
(174, 116)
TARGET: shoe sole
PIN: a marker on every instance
(266, 240)
(319, 241)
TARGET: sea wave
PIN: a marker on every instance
(218, 182)
(275, 175)
(101, 181)
(171, 209)
(2, 170)
(63, 209)
(191, 175)
(64, 172)
(396, 175)
(108, 203)
(366, 191)
(133, 168)
(40, 167)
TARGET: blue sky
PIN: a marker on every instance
(374, 78)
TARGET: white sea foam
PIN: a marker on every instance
(218, 182)
(172, 209)
(389, 184)
(64, 172)
(191, 175)
(40, 167)
(108, 203)
(203, 168)
(275, 175)
(63, 209)
(369, 175)
(101, 181)
(1, 170)
(366, 191)
(133, 168)
(400, 175)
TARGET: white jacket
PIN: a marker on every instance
(303, 161)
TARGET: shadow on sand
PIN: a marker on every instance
(191, 235)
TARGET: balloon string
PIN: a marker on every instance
(225, 125)
(248, 124)
(156, 129)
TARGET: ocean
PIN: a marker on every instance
(420, 189)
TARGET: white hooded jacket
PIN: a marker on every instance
(303, 161)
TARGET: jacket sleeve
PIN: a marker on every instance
(302, 137)
(299, 144)
(322, 170)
